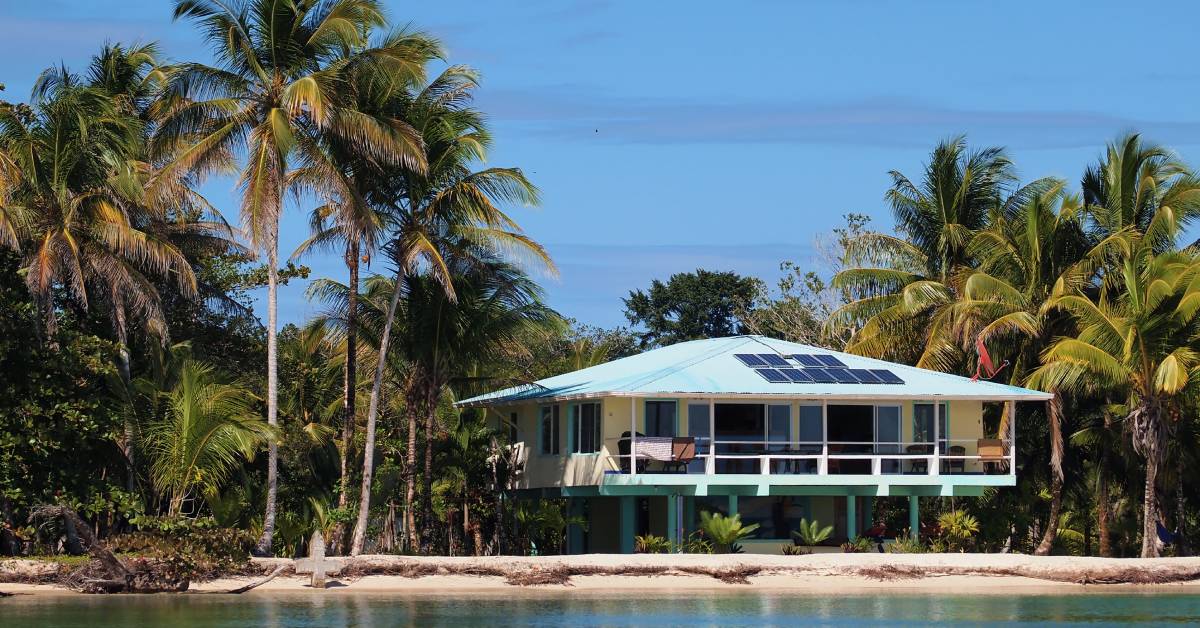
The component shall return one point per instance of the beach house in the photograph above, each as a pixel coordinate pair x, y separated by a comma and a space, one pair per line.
775, 431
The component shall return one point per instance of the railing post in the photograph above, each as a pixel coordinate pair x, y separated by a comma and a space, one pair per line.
764, 465
1012, 437
710, 467
935, 466
633, 436
823, 464
876, 466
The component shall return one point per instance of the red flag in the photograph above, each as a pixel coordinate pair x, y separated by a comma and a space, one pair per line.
985, 362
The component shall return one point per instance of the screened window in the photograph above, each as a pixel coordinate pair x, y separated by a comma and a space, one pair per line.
660, 418
585, 429
549, 434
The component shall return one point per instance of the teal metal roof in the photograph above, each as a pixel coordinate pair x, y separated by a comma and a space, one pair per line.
708, 368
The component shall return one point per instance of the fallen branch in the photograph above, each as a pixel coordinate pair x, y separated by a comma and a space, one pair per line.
258, 583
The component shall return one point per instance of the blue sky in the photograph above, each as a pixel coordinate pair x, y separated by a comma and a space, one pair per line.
671, 135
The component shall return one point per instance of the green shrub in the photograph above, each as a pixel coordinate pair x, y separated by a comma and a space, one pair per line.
794, 550
857, 545
906, 544
812, 533
197, 548
725, 532
651, 544
958, 529
695, 543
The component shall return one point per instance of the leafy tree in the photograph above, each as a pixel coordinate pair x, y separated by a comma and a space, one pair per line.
690, 306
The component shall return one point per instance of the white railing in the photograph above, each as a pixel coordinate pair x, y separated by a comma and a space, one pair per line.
767, 457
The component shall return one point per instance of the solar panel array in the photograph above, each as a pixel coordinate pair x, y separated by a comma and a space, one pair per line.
812, 368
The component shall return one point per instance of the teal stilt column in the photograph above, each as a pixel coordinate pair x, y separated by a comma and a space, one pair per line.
733, 505
851, 517
914, 516
575, 508
628, 517
673, 518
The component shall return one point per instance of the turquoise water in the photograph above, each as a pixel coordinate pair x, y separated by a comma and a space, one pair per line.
658, 609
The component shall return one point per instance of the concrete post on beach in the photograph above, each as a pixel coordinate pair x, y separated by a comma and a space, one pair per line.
315, 562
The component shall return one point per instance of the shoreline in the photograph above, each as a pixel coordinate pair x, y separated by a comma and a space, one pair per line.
819, 574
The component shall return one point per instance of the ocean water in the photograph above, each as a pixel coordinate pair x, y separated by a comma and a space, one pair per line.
1095, 607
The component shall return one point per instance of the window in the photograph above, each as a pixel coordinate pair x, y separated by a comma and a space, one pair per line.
549, 434
923, 424
779, 426
585, 429
812, 429
660, 418
514, 435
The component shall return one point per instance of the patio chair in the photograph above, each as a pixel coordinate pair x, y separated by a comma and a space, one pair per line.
683, 452
991, 454
623, 451
960, 464
919, 465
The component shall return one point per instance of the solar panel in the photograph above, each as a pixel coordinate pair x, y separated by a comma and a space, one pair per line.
807, 360
842, 376
772, 375
820, 376
750, 360
773, 359
797, 375
887, 376
828, 360
866, 377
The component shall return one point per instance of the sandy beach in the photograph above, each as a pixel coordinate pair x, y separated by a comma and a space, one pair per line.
815, 574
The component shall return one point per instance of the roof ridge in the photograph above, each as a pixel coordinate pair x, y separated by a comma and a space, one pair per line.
679, 366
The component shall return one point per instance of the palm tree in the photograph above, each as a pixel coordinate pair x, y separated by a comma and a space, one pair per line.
1031, 251
281, 68
900, 284
76, 203
430, 209
1134, 342
205, 430
353, 217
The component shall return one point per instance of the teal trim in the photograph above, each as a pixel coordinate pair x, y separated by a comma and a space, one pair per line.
914, 517
628, 515
851, 517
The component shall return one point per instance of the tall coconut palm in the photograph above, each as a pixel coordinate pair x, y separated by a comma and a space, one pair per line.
1134, 341
352, 218
281, 66
1030, 253
901, 283
205, 431
446, 202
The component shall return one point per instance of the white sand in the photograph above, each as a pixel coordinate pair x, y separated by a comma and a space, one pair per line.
816, 574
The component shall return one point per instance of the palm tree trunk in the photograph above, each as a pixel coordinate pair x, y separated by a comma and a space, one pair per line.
1181, 547
268, 534
124, 370
427, 477
1102, 513
410, 471
1053, 414
1051, 533
1150, 508
364, 498
349, 385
